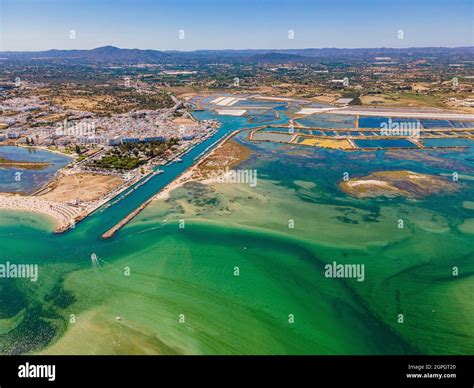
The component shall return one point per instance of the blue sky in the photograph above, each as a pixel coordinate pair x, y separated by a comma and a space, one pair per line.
213, 24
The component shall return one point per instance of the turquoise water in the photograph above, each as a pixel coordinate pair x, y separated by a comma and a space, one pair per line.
106, 217
191, 270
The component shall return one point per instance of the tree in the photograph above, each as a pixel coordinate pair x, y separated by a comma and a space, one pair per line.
78, 150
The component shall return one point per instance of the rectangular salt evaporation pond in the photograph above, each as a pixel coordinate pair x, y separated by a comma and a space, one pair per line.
379, 121
288, 130
448, 142
429, 124
385, 143
327, 121
231, 112
301, 130
257, 104
208, 100
219, 101
278, 137
462, 124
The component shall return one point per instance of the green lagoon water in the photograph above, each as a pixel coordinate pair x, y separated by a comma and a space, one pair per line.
162, 289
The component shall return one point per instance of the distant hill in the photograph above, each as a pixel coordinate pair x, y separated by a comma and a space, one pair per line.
113, 54
278, 58
100, 54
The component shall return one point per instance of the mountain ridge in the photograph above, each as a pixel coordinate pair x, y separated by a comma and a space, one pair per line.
115, 54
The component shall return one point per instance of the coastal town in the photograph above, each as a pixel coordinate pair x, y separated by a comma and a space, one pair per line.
246, 178
110, 154
122, 131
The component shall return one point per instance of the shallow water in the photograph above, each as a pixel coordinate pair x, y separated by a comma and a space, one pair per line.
163, 289
27, 181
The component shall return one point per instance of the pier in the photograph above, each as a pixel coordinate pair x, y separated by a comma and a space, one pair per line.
205, 154
126, 220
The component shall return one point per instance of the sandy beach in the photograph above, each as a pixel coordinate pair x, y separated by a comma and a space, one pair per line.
83, 187
66, 199
70, 197
62, 214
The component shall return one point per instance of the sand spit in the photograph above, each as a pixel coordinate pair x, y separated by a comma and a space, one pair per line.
398, 183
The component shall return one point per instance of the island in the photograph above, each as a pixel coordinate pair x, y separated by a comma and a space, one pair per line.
397, 183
